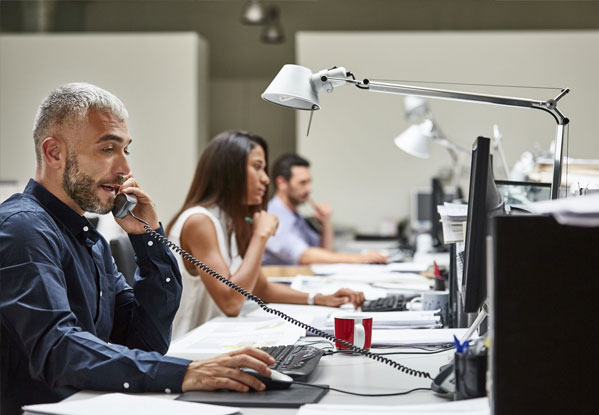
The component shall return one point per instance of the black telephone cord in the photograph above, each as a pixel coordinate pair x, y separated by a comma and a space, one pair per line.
277, 313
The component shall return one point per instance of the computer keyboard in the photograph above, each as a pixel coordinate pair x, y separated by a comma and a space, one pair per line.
295, 361
394, 302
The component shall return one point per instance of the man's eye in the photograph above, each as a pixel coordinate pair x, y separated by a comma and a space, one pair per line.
107, 150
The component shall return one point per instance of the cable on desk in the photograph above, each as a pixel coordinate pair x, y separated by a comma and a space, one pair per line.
423, 351
373, 395
252, 297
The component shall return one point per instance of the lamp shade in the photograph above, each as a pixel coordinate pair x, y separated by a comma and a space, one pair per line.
292, 87
415, 139
253, 13
415, 108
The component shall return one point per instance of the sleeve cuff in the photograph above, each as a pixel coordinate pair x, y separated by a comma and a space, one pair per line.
168, 377
145, 246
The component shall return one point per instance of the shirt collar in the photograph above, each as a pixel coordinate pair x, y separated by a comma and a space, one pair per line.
78, 225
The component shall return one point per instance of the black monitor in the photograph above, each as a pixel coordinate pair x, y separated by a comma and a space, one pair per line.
484, 200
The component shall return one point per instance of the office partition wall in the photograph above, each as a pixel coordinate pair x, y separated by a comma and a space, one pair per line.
161, 78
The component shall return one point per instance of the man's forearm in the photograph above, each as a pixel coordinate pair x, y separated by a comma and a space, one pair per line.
327, 236
324, 256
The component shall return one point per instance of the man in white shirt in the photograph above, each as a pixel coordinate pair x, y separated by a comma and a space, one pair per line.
295, 241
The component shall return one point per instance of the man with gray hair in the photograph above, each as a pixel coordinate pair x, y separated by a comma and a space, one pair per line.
68, 319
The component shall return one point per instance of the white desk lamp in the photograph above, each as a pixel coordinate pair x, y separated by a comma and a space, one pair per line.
297, 87
415, 139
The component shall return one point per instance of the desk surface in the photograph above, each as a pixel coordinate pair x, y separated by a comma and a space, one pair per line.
356, 373
362, 375
286, 270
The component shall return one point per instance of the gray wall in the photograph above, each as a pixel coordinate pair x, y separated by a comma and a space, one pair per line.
161, 78
356, 166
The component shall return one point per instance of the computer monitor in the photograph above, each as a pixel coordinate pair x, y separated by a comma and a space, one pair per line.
484, 200
420, 214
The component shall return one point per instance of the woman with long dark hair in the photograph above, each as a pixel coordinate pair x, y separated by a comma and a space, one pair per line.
224, 224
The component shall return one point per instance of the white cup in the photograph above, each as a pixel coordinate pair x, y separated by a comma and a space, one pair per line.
424, 243
431, 300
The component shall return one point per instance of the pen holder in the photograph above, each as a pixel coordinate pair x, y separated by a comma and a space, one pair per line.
470, 375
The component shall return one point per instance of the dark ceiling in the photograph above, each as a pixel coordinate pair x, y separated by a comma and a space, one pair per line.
236, 50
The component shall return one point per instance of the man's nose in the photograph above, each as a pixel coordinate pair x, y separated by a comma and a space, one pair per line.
122, 165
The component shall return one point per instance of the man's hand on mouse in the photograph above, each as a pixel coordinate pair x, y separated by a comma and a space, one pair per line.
221, 372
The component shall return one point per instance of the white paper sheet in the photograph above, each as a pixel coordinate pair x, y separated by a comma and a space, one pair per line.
391, 318
479, 406
325, 286
394, 277
122, 404
223, 334
575, 211
414, 337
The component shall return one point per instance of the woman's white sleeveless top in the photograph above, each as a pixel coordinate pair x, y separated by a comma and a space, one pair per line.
197, 306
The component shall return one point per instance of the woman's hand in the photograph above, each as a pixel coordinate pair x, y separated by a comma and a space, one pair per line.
342, 296
265, 224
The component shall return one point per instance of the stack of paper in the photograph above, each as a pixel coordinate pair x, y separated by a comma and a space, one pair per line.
415, 337
574, 211
453, 218
389, 320
367, 269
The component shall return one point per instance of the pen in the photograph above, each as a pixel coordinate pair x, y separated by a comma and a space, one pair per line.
458, 346
248, 219
436, 270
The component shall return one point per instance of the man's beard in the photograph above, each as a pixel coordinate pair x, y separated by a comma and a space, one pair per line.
81, 188
295, 201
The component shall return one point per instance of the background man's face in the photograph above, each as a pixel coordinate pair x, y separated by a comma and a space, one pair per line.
299, 185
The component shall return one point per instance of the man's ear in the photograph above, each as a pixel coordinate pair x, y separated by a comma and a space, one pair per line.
54, 152
281, 183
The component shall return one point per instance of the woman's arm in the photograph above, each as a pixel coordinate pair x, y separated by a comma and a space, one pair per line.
272, 292
199, 238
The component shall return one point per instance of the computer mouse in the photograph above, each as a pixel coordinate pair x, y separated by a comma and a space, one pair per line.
277, 380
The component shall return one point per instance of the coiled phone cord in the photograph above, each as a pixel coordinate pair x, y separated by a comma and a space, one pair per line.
275, 312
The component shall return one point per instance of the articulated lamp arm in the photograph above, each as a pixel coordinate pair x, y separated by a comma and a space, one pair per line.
297, 87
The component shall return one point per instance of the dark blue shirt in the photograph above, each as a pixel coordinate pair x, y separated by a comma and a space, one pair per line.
68, 319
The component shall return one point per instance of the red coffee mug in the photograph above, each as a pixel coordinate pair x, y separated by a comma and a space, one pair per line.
356, 330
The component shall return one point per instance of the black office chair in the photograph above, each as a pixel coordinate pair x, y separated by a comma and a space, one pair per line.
124, 257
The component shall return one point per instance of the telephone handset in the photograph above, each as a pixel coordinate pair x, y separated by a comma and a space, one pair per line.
124, 204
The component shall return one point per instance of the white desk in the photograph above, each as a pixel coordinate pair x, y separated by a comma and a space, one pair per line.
359, 374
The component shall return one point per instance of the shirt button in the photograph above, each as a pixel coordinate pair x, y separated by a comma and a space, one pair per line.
168, 279
86, 228
150, 243
100, 293
126, 385
167, 390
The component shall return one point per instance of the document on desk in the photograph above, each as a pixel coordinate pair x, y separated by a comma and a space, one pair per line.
304, 313
389, 320
574, 211
415, 337
364, 269
224, 334
382, 277
122, 404
478, 406
325, 286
